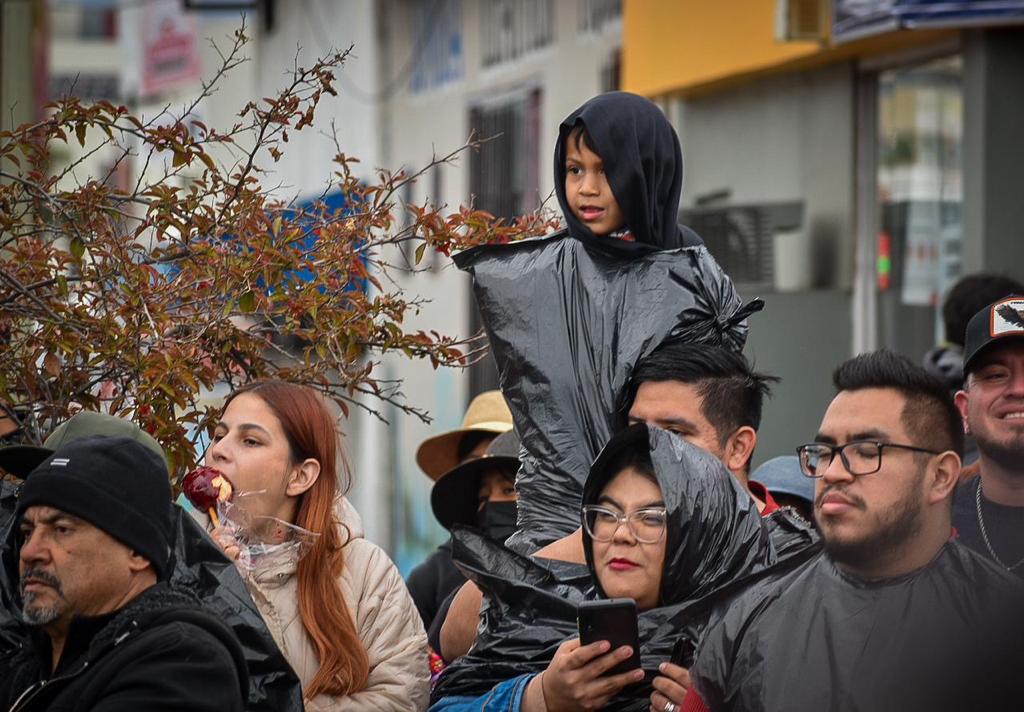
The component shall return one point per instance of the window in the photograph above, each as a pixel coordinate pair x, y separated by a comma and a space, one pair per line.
436, 36
504, 181
919, 197
510, 29
593, 16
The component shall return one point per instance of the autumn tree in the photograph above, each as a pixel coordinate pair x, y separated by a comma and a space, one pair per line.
138, 300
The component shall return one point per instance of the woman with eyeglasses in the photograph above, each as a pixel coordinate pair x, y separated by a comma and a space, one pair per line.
664, 523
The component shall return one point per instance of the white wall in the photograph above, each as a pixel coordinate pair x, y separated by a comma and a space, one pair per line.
786, 138
419, 125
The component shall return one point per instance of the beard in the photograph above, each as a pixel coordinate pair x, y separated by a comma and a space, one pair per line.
1007, 453
35, 613
888, 535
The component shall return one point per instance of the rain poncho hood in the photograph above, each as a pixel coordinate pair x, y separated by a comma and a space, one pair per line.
715, 539
568, 321
715, 531
199, 566
644, 166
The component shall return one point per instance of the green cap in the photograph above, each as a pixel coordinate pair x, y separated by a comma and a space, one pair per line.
20, 460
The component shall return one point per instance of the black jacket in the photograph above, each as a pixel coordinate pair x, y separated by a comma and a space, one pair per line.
433, 581
200, 568
160, 652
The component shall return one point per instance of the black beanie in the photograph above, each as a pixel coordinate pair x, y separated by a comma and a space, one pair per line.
115, 484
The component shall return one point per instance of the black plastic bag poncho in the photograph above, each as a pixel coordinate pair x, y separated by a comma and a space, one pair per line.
715, 539
570, 315
200, 567
567, 323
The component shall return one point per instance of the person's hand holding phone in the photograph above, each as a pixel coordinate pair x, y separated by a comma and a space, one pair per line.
670, 688
574, 680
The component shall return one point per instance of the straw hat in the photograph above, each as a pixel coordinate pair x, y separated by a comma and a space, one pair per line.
487, 413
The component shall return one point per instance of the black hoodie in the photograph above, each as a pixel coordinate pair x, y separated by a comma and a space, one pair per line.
644, 166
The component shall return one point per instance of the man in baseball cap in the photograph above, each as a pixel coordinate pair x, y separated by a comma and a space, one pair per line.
93, 549
988, 510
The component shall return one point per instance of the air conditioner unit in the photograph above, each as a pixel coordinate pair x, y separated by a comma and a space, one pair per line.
801, 20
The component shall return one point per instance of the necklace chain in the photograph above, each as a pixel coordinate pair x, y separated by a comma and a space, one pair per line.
984, 534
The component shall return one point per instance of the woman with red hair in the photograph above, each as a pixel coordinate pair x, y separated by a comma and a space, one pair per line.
340, 612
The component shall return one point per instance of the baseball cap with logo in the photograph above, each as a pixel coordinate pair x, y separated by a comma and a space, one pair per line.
1002, 320
19, 460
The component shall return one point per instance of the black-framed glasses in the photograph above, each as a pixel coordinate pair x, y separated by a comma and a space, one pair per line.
647, 524
860, 457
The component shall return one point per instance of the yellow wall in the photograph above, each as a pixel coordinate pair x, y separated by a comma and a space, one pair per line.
672, 45
693, 46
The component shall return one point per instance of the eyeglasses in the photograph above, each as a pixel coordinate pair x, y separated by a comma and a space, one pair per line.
860, 457
647, 524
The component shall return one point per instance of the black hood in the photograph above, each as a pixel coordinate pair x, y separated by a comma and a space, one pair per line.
643, 163
715, 544
714, 532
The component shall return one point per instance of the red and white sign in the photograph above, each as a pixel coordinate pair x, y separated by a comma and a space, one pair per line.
170, 48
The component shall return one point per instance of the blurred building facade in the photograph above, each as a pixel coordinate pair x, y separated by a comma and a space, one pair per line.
843, 166
847, 160
503, 70
422, 77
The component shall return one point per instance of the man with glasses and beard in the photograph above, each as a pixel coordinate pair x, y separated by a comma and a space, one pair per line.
988, 511
894, 614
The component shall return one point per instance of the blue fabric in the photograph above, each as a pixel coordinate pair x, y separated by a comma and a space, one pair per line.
506, 696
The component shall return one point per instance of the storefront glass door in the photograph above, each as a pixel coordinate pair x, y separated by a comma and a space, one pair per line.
919, 169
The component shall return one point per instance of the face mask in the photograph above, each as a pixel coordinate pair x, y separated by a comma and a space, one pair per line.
497, 520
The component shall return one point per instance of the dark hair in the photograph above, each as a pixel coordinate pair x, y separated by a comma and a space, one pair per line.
928, 414
969, 296
579, 134
636, 456
469, 441
732, 393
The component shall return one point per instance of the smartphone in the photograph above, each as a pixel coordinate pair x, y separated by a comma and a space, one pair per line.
614, 620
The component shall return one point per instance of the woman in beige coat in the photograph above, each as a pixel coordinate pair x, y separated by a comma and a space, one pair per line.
340, 612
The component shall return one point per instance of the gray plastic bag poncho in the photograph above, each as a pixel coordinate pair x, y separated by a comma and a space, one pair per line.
944, 638
715, 540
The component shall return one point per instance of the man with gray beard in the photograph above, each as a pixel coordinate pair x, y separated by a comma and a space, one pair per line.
92, 561
894, 614
988, 510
